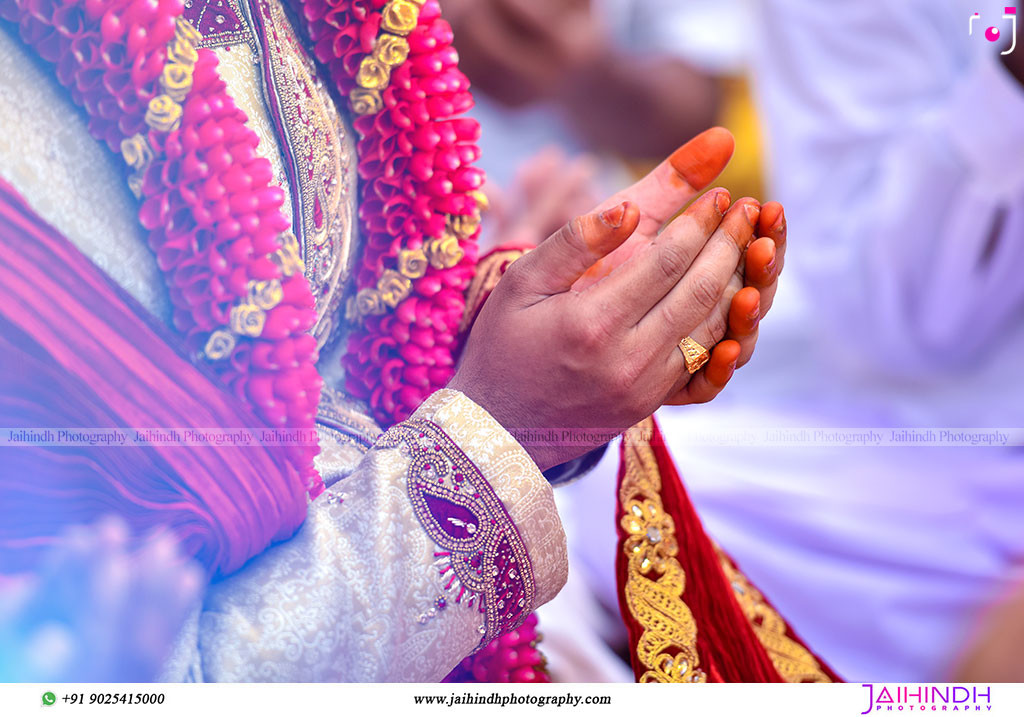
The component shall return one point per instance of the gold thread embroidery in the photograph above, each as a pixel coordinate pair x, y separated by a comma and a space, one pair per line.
225, 35
318, 144
792, 660
346, 417
667, 646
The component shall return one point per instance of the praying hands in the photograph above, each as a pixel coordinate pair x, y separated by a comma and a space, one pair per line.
585, 331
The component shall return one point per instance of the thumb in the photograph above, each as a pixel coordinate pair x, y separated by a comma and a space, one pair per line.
555, 265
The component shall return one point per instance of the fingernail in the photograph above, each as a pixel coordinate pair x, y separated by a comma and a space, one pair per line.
780, 223
769, 268
755, 313
753, 212
613, 217
722, 200
702, 159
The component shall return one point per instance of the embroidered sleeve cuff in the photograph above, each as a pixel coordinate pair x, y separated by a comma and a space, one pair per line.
521, 495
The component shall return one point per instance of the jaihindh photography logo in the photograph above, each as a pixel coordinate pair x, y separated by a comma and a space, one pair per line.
927, 698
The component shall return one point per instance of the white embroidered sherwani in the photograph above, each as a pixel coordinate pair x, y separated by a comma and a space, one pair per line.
430, 538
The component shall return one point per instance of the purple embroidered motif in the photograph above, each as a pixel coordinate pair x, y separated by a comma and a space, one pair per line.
458, 521
220, 22
481, 555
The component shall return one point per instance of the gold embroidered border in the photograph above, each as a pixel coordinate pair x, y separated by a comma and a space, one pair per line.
343, 415
792, 660
654, 578
225, 38
313, 139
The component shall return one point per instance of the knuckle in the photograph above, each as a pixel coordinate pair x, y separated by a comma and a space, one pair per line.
617, 377
737, 235
519, 277
588, 335
705, 291
574, 229
621, 384
673, 260
672, 316
718, 323
586, 330
573, 233
514, 275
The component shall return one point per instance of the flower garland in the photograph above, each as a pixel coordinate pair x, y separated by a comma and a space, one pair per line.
513, 657
214, 217
420, 199
420, 218
232, 268
231, 265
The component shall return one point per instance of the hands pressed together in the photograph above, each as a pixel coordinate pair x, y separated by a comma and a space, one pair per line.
583, 332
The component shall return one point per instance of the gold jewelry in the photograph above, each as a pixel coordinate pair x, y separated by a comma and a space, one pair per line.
694, 354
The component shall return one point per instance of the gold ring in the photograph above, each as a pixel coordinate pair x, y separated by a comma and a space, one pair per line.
694, 354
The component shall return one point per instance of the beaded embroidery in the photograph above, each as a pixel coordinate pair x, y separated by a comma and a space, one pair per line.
481, 557
316, 146
220, 22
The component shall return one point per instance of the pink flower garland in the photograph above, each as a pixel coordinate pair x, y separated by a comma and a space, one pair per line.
513, 657
415, 163
213, 216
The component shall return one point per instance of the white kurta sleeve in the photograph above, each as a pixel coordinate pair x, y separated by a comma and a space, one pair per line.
444, 536
894, 142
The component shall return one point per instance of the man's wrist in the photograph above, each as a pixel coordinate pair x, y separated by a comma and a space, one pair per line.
508, 418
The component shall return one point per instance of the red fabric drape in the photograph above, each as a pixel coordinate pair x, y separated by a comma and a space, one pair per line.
728, 648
